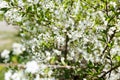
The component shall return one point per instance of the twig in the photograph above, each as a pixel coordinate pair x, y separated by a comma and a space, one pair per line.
106, 7
66, 46
110, 71
22, 66
59, 66
111, 37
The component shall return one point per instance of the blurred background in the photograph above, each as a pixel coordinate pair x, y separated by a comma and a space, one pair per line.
8, 35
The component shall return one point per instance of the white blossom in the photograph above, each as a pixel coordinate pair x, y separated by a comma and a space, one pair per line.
5, 54
84, 79
113, 4
37, 77
57, 52
3, 4
113, 76
19, 19
105, 23
47, 53
18, 48
47, 79
20, 3
30, 1
16, 76
44, 26
111, 30
50, 73
32, 67
42, 68
8, 75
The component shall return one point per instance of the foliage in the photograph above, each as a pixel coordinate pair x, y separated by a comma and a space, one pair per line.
65, 39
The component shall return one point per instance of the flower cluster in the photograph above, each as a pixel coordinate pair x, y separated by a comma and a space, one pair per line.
65, 39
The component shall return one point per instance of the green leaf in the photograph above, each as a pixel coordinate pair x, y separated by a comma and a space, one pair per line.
109, 45
118, 58
29, 9
117, 34
4, 9
1, 17
46, 70
24, 0
7, 0
52, 60
90, 64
